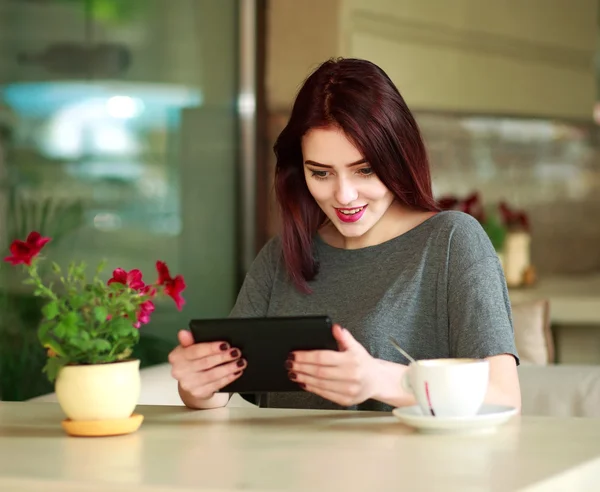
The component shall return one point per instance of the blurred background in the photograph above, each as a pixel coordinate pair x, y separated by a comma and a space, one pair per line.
139, 130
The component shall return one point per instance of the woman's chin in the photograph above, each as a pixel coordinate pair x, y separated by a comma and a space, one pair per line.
355, 230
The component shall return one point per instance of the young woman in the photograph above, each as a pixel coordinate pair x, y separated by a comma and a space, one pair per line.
363, 241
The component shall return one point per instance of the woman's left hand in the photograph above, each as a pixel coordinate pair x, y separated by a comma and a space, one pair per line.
346, 377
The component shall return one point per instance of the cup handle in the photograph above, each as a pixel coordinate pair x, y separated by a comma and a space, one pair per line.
405, 382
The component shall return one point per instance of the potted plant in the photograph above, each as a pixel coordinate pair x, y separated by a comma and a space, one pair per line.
89, 330
509, 233
517, 249
489, 220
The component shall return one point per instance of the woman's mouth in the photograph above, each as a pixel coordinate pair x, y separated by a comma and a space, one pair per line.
350, 214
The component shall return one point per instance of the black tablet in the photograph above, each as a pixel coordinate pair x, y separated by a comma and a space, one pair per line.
266, 343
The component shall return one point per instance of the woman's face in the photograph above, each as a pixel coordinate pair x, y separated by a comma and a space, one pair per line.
343, 183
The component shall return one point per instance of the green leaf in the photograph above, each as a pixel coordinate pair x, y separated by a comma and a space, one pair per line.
76, 302
115, 287
122, 327
55, 347
80, 271
43, 332
60, 330
128, 306
99, 289
53, 366
68, 326
102, 345
56, 267
100, 313
50, 310
100, 267
71, 318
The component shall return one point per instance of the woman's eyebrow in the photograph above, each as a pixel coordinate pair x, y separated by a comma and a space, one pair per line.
326, 166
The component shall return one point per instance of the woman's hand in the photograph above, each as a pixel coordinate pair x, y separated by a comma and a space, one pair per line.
202, 369
347, 377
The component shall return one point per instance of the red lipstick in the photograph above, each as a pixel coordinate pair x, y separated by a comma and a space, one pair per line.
350, 215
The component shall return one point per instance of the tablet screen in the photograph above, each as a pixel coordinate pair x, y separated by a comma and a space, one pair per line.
265, 343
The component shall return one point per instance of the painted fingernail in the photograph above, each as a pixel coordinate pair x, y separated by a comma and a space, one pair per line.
237, 373
235, 353
288, 364
291, 357
223, 347
240, 363
292, 375
302, 385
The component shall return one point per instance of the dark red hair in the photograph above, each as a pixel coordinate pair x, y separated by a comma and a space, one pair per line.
358, 97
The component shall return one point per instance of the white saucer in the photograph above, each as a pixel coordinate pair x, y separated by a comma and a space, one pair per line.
487, 420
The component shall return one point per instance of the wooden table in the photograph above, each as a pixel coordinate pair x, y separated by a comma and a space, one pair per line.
264, 450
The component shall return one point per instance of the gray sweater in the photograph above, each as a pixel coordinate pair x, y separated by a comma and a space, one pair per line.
438, 289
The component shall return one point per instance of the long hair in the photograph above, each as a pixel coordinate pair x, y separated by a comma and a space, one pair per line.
359, 98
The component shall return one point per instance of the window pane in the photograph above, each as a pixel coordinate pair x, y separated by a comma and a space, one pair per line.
118, 140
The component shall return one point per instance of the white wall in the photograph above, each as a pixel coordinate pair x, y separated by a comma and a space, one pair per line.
300, 35
531, 57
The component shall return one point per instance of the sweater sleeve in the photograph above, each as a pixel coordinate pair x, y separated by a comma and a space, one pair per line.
479, 310
255, 294
253, 298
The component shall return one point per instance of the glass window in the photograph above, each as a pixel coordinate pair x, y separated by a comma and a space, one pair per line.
118, 138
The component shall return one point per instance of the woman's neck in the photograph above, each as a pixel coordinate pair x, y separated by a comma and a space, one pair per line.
396, 221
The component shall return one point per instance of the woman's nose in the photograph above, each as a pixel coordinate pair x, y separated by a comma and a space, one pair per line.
345, 193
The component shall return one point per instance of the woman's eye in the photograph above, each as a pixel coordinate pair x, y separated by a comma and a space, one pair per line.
366, 171
319, 174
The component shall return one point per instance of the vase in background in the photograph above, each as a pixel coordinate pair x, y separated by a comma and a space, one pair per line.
516, 257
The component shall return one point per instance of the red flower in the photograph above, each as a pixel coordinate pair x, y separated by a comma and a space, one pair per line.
173, 286
513, 219
471, 205
25, 251
143, 315
132, 279
148, 290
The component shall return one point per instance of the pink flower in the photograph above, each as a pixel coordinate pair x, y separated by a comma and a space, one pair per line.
26, 251
143, 315
132, 279
173, 286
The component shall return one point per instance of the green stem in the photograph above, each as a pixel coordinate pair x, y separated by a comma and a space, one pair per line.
33, 273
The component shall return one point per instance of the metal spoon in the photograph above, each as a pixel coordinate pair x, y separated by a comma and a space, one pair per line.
401, 350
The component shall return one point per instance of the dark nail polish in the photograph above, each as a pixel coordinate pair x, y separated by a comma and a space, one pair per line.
288, 364
302, 385
292, 375
240, 363
237, 373
235, 353
223, 347
291, 357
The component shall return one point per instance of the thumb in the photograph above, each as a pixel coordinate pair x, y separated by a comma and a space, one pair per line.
185, 338
344, 339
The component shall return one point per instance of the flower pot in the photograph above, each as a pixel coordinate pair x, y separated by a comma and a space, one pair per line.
99, 391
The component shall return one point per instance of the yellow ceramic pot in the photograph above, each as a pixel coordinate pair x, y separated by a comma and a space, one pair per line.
99, 391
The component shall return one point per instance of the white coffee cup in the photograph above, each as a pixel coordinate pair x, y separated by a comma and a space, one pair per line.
448, 387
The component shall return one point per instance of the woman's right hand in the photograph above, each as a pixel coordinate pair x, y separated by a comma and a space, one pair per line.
202, 369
